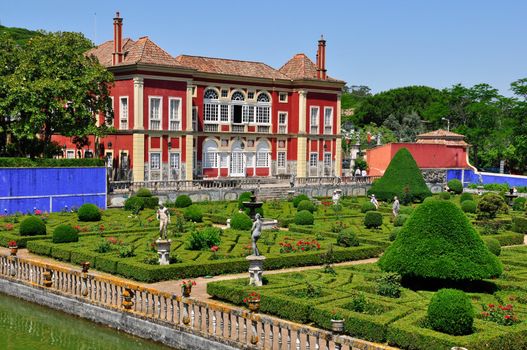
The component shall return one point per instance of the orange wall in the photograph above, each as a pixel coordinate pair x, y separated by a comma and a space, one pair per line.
425, 155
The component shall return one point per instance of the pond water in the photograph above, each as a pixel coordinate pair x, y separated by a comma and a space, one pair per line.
25, 326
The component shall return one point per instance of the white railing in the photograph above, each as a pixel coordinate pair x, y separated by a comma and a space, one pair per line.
210, 127
238, 128
219, 322
265, 129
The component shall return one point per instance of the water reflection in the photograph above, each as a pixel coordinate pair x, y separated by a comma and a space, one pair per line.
26, 326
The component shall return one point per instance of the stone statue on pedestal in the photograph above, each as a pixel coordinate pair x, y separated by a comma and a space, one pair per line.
163, 215
256, 231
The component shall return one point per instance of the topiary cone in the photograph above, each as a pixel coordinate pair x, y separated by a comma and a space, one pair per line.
438, 242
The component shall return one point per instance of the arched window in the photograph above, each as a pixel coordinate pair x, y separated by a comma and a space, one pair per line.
263, 151
263, 108
237, 96
210, 154
263, 97
210, 94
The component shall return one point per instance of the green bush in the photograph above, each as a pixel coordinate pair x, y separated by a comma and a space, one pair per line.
439, 242
455, 186
406, 210
469, 206
204, 239
402, 179
89, 212
450, 311
299, 198
519, 203
394, 233
183, 201
444, 196
151, 202
32, 226
241, 221
304, 217
389, 285
244, 197
490, 205
367, 206
134, 204
143, 192
400, 220
50, 162
347, 238
306, 205
519, 224
65, 234
465, 196
373, 219
257, 211
494, 245
193, 213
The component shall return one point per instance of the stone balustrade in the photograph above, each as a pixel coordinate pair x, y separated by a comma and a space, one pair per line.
229, 325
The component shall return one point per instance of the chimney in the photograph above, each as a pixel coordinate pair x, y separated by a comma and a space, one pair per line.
321, 59
117, 56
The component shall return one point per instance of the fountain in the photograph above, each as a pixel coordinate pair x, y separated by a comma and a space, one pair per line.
252, 205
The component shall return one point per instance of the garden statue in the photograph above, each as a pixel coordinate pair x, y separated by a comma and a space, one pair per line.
395, 206
163, 215
256, 231
374, 201
336, 197
292, 180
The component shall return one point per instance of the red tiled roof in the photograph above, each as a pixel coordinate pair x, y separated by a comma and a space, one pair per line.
301, 67
441, 134
143, 50
230, 67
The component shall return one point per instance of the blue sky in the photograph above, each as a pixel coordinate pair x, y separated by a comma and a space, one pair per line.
383, 44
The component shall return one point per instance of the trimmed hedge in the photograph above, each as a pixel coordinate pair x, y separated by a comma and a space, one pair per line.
400, 220
519, 224
347, 238
143, 192
469, 206
241, 221
89, 212
373, 219
518, 204
490, 205
244, 197
183, 201
493, 244
32, 226
444, 196
299, 198
466, 196
367, 206
193, 213
133, 203
450, 311
304, 217
439, 242
306, 205
50, 162
455, 186
65, 234
402, 179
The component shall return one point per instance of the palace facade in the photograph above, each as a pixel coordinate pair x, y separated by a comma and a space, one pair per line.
189, 117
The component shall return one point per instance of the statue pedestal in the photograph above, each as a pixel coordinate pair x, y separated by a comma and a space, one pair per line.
255, 269
163, 249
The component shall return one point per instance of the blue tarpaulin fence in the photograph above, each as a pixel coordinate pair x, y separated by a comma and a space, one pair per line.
51, 189
469, 177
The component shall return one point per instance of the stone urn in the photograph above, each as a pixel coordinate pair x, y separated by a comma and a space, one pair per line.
186, 290
85, 266
254, 305
337, 326
14, 250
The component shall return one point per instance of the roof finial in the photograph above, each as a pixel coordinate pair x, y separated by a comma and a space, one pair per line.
117, 14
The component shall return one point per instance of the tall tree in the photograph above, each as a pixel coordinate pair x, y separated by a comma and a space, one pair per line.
9, 56
56, 89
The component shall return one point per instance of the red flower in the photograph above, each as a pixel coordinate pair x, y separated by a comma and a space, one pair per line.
11, 244
214, 248
38, 212
9, 227
507, 317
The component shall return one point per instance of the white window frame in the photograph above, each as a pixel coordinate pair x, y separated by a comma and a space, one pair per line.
174, 121
225, 113
194, 118
70, 154
124, 113
328, 124
313, 160
327, 157
282, 125
112, 119
281, 163
174, 165
248, 112
160, 114
151, 162
263, 151
282, 97
313, 127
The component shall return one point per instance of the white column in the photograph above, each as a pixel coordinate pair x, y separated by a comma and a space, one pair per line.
138, 139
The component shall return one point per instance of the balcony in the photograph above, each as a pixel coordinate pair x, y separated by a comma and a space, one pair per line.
210, 128
264, 129
238, 128
282, 129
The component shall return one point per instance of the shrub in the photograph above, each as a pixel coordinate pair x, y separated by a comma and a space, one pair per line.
439, 242
367, 206
519, 203
257, 211
143, 192
32, 226
306, 205
134, 204
204, 239
465, 196
299, 198
65, 234
394, 233
125, 251
193, 213
489, 206
400, 219
494, 245
244, 197
469, 206
373, 219
402, 179
444, 195
183, 201
519, 224
406, 210
89, 212
304, 217
347, 238
455, 186
241, 221
389, 285
450, 311
150, 202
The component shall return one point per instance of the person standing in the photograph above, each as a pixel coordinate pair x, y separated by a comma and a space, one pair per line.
374, 201
395, 206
